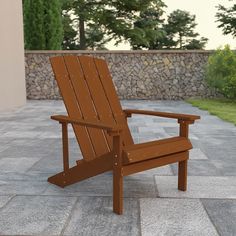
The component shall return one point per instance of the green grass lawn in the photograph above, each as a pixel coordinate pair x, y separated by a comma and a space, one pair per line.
223, 108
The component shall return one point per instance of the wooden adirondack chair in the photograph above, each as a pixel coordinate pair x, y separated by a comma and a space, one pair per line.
101, 129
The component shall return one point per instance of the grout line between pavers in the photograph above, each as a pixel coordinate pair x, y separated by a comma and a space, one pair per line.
209, 216
155, 186
29, 235
69, 217
13, 196
139, 217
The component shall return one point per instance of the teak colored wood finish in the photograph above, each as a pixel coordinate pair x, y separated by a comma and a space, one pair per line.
102, 131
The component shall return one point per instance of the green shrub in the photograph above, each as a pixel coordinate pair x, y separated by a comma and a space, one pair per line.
221, 71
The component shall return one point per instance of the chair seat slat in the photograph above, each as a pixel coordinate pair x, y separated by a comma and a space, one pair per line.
145, 151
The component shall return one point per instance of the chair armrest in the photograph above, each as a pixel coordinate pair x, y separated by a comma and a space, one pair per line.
112, 130
178, 116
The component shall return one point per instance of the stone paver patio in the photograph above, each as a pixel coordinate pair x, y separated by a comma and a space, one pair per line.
30, 152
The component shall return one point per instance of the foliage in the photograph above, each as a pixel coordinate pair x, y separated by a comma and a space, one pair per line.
100, 21
221, 71
178, 32
196, 44
70, 39
89, 24
34, 24
223, 108
42, 24
227, 19
53, 27
148, 27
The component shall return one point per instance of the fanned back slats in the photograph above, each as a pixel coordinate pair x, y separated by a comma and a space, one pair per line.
88, 93
113, 99
86, 104
70, 100
97, 93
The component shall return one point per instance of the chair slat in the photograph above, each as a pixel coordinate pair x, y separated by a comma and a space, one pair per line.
98, 96
156, 149
70, 100
85, 103
109, 89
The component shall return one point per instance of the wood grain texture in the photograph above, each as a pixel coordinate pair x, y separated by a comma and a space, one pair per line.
102, 131
129, 112
85, 102
117, 175
82, 122
110, 92
71, 104
152, 163
156, 149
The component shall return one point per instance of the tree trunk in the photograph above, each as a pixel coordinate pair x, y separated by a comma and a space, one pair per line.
180, 41
82, 33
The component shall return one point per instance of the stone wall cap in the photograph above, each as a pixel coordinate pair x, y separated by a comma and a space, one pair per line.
118, 51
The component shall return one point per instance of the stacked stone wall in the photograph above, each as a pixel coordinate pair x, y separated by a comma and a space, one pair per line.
171, 75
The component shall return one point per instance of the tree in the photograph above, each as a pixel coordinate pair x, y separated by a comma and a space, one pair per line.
197, 44
227, 19
70, 39
102, 20
148, 27
180, 31
34, 24
221, 71
42, 24
177, 32
53, 24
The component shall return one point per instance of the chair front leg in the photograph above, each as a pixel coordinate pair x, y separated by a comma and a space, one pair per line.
65, 146
182, 175
182, 166
117, 176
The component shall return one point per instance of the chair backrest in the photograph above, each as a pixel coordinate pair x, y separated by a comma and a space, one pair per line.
88, 93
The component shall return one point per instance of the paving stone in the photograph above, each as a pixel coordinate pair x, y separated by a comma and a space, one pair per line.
197, 154
31, 215
3, 148
174, 217
39, 148
101, 185
21, 134
172, 130
28, 133
29, 176
169, 124
151, 129
215, 152
163, 170
198, 187
54, 163
227, 167
48, 134
16, 164
4, 200
94, 216
223, 215
199, 167
22, 187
